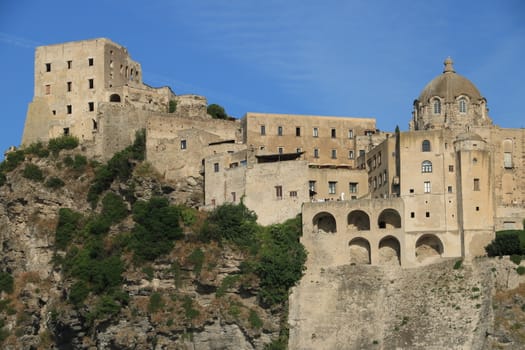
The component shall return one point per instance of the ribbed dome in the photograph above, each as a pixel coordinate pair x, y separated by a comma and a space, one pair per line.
449, 86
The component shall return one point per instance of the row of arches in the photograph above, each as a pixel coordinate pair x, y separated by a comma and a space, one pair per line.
357, 220
389, 250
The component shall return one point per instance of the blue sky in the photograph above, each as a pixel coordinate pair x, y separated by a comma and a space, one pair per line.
367, 58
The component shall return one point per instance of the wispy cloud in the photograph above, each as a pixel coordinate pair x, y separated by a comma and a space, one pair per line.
17, 41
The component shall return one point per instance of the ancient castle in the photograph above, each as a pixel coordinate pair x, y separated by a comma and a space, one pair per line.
440, 189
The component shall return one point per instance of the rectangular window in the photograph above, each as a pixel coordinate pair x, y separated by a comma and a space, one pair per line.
450, 168
183, 144
449, 189
69, 86
427, 187
66, 131
334, 154
412, 214
507, 160
332, 187
279, 192
263, 129
48, 89
298, 150
297, 131
350, 134
69, 64
69, 109
476, 184
279, 131
316, 152
234, 197
427, 214
91, 83
379, 158
311, 186
280, 150
216, 167
361, 152
48, 67
90, 61
353, 187
333, 133
91, 106
316, 132
350, 154
293, 193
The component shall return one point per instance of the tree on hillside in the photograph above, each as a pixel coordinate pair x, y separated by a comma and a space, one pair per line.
216, 111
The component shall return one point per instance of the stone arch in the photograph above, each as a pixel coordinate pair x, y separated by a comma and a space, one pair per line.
389, 251
507, 145
114, 98
358, 220
428, 246
389, 218
359, 251
324, 222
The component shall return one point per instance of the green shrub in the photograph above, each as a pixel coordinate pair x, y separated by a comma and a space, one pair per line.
157, 226
54, 182
12, 160
520, 270
196, 258
113, 208
78, 292
227, 283
69, 223
33, 172
172, 106
216, 111
516, 259
77, 163
254, 319
281, 262
3, 179
189, 311
504, 244
148, 270
55, 145
231, 222
155, 302
4, 333
6, 282
458, 264
38, 149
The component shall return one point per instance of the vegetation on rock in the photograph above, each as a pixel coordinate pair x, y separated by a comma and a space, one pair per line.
217, 111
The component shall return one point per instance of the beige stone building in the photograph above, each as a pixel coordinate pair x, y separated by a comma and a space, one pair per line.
439, 190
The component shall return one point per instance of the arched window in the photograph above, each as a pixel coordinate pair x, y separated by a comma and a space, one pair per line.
114, 98
462, 105
437, 106
426, 166
425, 146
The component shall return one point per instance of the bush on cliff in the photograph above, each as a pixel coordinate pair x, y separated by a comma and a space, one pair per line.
6, 282
504, 244
55, 145
217, 111
33, 172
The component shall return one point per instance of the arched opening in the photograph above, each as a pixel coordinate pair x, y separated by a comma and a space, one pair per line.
324, 222
114, 98
358, 220
426, 166
425, 146
437, 106
389, 251
389, 218
428, 246
462, 105
359, 251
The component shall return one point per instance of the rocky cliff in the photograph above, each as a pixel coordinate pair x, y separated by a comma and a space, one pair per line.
181, 300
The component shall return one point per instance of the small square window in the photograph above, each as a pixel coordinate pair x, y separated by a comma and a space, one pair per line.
48, 89
69, 109
48, 67
411, 190
263, 129
412, 214
333, 133
477, 208
293, 194
353, 187
298, 150
66, 131
427, 214
332, 187
279, 192
280, 150
450, 168
69, 64
449, 189
216, 167
297, 131
91, 106
334, 154
183, 144
90, 61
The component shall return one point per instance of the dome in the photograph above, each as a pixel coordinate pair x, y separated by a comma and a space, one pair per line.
449, 86
469, 136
